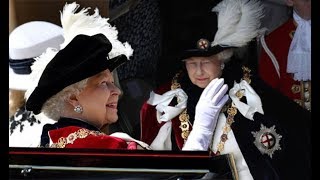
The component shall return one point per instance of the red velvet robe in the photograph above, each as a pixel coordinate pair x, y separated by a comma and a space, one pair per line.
72, 133
279, 42
91, 139
150, 126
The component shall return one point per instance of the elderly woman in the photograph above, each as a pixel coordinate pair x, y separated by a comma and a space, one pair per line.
199, 48
75, 85
252, 126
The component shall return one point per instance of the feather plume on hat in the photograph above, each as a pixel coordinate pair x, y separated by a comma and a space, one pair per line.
74, 24
38, 67
83, 23
238, 22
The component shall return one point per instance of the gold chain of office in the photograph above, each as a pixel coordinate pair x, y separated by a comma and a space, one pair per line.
79, 134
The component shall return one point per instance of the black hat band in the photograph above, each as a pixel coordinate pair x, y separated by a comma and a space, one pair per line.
21, 66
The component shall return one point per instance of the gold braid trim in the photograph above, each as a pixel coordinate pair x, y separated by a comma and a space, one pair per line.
232, 111
305, 100
79, 134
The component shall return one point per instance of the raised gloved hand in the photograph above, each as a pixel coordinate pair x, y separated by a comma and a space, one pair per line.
208, 109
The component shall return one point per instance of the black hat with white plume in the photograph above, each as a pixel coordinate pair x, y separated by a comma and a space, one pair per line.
91, 45
207, 30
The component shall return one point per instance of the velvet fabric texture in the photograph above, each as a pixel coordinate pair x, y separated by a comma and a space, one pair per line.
293, 123
188, 28
83, 57
150, 126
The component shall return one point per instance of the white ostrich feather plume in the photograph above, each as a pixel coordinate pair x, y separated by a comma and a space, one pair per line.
38, 67
238, 22
74, 24
83, 23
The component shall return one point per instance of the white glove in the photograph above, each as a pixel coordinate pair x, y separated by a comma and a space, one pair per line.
208, 109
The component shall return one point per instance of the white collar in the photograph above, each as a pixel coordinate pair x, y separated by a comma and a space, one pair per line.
299, 56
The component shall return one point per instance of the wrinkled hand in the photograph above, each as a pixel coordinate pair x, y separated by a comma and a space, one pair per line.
208, 109
210, 104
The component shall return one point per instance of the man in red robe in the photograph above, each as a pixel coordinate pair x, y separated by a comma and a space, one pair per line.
285, 60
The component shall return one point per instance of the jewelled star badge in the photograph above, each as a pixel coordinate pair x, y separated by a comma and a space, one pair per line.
267, 140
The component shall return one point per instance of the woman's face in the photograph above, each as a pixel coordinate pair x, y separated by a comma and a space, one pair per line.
99, 99
201, 70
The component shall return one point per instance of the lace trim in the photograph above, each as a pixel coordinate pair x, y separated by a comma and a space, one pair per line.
79, 134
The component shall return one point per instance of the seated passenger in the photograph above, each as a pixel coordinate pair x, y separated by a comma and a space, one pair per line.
187, 113
75, 85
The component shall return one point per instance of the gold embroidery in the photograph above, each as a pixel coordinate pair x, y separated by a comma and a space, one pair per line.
185, 135
184, 126
232, 111
61, 142
246, 74
305, 94
240, 94
183, 117
81, 133
175, 84
295, 89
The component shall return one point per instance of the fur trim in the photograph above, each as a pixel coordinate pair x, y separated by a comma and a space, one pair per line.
238, 22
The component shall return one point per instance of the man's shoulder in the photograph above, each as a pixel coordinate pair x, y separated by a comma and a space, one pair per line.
282, 30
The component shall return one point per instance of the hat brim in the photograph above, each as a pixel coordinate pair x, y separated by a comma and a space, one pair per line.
18, 81
117, 61
41, 94
201, 52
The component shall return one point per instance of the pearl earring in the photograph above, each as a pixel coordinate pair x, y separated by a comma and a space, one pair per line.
78, 109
